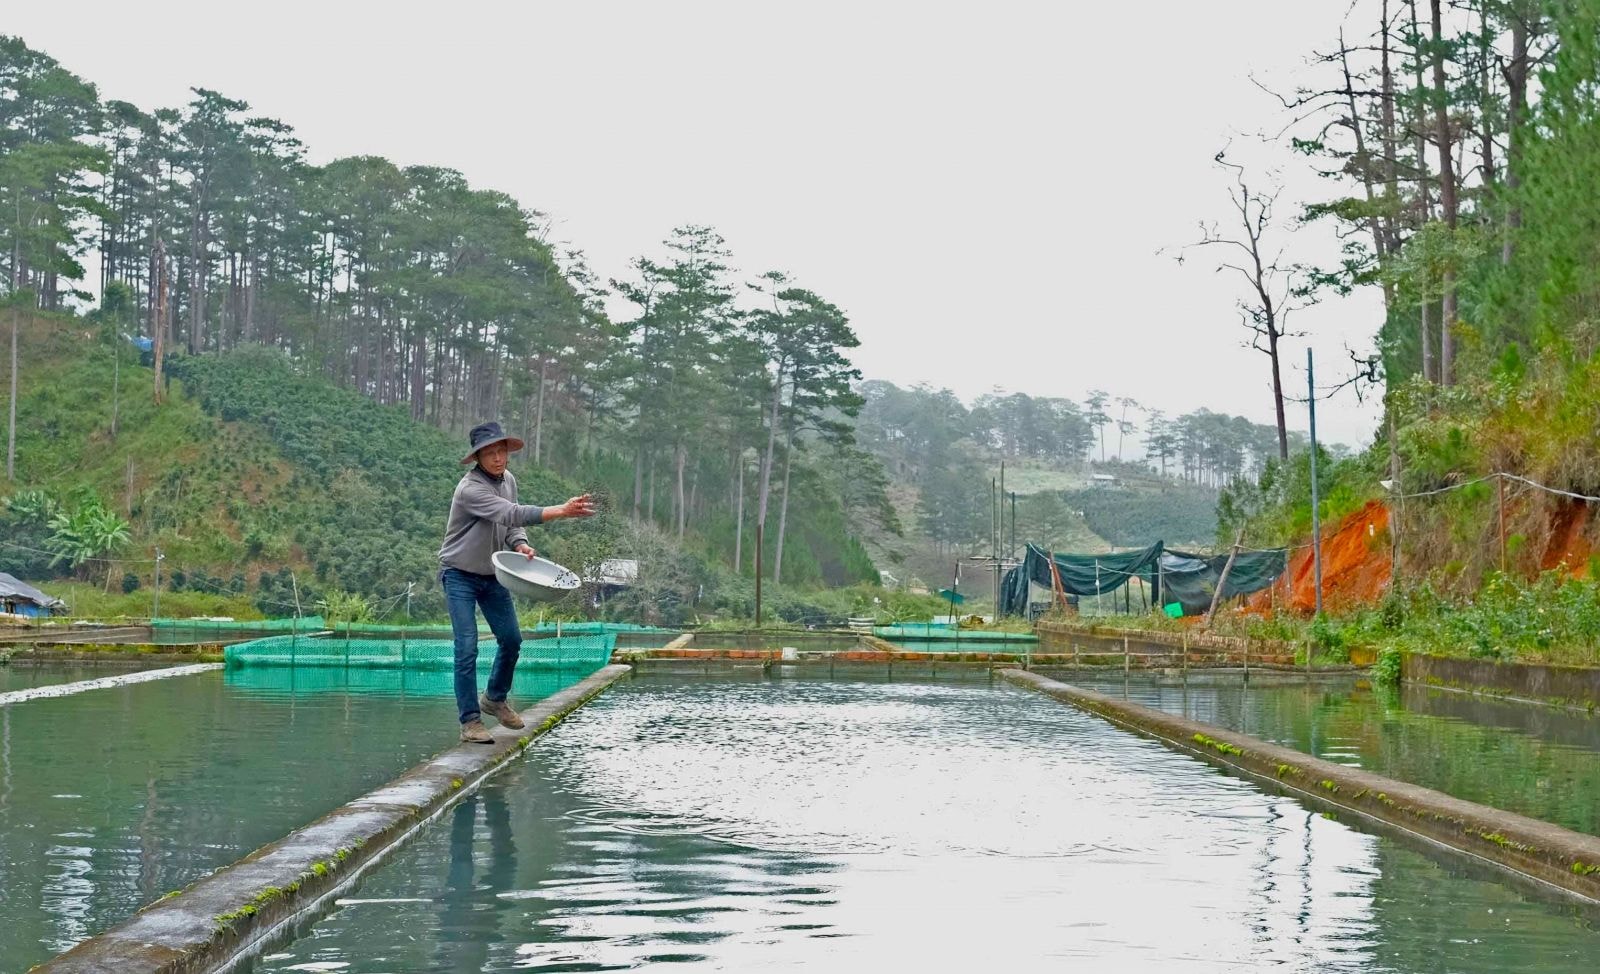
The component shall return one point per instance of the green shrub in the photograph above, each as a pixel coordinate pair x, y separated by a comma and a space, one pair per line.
1386, 669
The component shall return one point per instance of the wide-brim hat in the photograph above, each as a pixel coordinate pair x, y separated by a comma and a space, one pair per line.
488, 434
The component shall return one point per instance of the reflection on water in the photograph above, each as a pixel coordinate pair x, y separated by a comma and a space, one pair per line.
1537, 761
843, 827
112, 798
26, 677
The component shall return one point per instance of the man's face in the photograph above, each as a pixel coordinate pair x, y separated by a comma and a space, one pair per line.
493, 458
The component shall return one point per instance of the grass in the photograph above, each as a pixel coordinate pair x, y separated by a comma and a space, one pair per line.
1552, 619
91, 602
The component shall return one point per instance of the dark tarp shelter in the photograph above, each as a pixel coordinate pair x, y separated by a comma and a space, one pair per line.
1175, 576
1192, 579
1079, 575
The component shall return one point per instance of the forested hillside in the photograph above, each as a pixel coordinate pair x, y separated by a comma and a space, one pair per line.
715, 407
944, 459
1465, 144
341, 325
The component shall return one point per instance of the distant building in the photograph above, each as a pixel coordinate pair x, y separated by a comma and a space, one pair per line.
1102, 481
20, 598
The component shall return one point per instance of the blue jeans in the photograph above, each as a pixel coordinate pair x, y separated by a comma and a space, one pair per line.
464, 593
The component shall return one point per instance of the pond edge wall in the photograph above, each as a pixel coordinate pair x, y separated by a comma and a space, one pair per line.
1559, 857
1577, 687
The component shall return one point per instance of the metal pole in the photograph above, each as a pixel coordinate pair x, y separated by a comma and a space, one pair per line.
1394, 519
955, 585
994, 536
1500, 488
1013, 526
1099, 596
155, 610
1316, 522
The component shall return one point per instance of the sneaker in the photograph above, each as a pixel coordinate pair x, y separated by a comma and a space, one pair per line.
502, 711
473, 732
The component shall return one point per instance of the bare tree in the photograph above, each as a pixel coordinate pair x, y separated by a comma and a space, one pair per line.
1272, 282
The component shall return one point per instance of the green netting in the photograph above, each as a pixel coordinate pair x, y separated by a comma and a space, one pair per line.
303, 624
290, 681
359, 629
920, 632
412, 654
1189, 579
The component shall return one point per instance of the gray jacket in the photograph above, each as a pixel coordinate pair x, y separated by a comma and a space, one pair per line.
484, 518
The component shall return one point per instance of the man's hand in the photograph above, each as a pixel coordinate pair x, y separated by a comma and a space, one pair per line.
525, 551
582, 506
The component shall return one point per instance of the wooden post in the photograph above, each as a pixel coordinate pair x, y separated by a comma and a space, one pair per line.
1216, 597
1124, 655
1058, 590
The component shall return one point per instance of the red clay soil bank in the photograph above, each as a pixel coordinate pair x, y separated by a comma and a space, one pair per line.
1356, 563
1568, 550
1355, 566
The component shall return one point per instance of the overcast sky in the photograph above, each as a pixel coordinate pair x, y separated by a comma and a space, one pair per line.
984, 188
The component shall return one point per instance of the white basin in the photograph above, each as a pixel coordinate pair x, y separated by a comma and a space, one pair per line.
535, 578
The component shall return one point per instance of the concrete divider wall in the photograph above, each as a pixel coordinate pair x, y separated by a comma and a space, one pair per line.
1098, 645
1563, 858
236, 909
1572, 686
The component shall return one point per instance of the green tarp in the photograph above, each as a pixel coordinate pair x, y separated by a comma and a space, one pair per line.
1172, 576
1080, 575
1192, 579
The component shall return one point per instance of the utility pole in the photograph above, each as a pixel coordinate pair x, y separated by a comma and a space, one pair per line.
1394, 513
155, 610
1316, 522
994, 539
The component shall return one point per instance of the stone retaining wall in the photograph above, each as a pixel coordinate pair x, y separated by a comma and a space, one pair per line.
1567, 686
1147, 647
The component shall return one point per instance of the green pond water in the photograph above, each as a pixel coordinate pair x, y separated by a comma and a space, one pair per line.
1538, 761
111, 798
860, 826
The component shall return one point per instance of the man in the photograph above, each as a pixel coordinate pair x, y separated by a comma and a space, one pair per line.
484, 518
